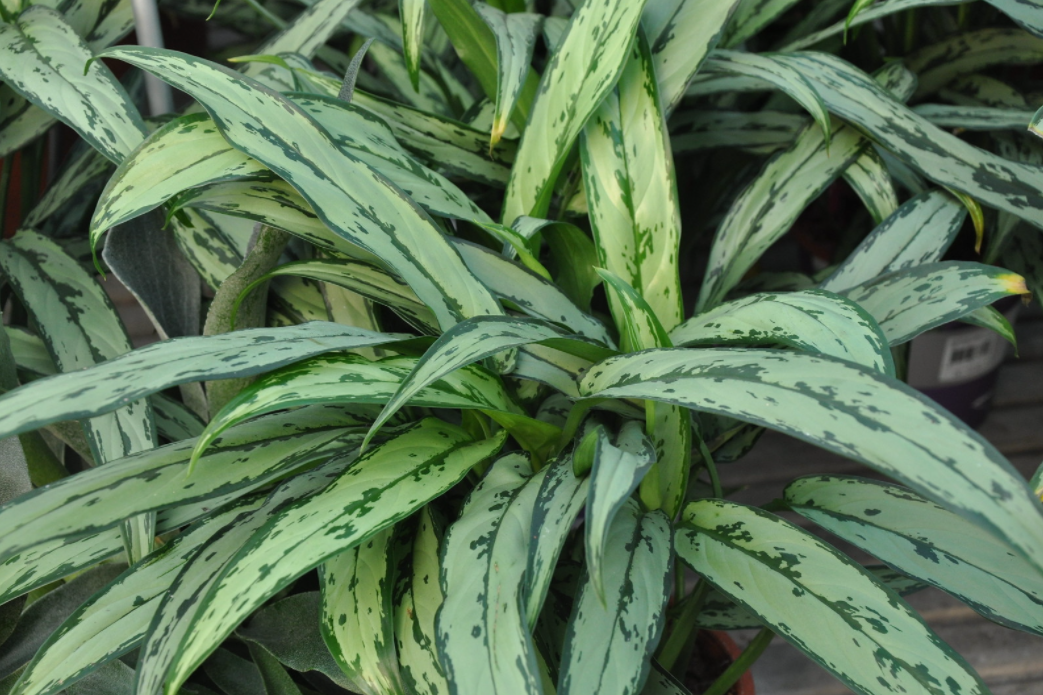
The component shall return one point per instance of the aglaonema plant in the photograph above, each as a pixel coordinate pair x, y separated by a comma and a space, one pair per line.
457, 433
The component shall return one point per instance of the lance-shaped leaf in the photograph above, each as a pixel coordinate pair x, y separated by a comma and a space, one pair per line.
166, 625
358, 612
412, 13
616, 472
468, 342
483, 640
42, 57
638, 325
68, 197
753, 15
908, 302
116, 618
213, 253
21, 122
974, 117
80, 327
791, 82
722, 613
581, 72
918, 232
820, 601
515, 39
322, 380
969, 52
349, 197
367, 280
187, 152
938, 155
760, 131
771, 203
628, 177
869, 178
561, 496
308, 32
846, 409
528, 291
681, 35
155, 367
419, 598
926, 541
610, 642
385, 485
810, 320
156, 479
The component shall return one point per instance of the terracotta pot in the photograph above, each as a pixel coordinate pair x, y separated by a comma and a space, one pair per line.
716, 651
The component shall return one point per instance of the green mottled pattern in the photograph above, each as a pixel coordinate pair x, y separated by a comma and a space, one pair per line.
412, 14
42, 58
869, 14
809, 320
560, 498
515, 39
767, 69
869, 178
926, 541
385, 485
324, 380
206, 247
968, 52
187, 152
350, 198
764, 211
358, 613
396, 79
846, 409
156, 479
751, 16
974, 117
483, 639
528, 291
167, 624
918, 232
580, 73
759, 131
631, 189
616, 473
610, 639
464, 344
908, 302
420, 597
308, 32
368, 137
109, 385
936, 154
821, 602
682, 33
722, 613
78, 176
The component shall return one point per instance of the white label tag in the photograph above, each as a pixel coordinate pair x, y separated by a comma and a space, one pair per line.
970, 354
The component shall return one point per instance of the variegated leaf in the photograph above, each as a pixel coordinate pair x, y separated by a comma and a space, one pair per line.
974, 117
918, 232
759, 131
810, 320
167, 625
42, 58
751, 16
777, 73
940, 156
322, 380
152, 480
631, 189
385, 485
420, 597
845, 409
722, 613
820, 601
869, 178
91, 392
413, 13
969, 52
308, 32
206, 246
560, 498
638, 325
771, 203
610, 640
515, 39
350, 198
72, 190
483, 640
616, 473
358, 613
681, 35
926, 541
581, 72
908, 302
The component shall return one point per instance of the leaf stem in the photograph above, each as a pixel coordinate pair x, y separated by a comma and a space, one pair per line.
683, 634
749, 655
711, 467
272, 18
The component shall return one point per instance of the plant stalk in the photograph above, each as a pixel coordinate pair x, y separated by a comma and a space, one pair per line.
749, 655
